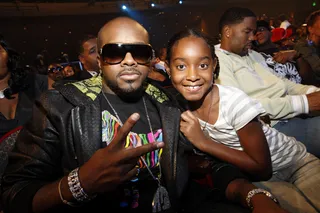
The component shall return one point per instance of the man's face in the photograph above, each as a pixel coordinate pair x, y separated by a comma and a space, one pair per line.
89, 55
315, 28
55, 71
127, 76
241, 35
263, 35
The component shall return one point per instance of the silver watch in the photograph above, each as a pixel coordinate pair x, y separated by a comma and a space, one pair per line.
253, 192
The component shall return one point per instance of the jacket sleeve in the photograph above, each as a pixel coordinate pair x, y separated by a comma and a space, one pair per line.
35, 160
311, 57
299, 89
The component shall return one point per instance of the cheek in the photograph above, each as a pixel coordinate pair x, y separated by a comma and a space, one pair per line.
93, 57
177, 78
144, 70
107, 73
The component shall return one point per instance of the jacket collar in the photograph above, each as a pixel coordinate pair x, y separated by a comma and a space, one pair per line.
84, 92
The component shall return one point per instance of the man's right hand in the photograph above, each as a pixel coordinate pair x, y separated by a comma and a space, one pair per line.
114, 164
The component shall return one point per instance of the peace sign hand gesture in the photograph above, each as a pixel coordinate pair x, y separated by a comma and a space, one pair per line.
114, 164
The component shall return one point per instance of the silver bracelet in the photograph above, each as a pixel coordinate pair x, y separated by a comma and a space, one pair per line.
253, 192
75, 187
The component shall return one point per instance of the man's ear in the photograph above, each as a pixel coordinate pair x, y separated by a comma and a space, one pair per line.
226, 31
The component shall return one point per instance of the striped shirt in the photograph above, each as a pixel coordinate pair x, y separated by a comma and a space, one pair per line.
236, 109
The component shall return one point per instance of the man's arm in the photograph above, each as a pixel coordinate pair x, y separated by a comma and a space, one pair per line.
303, 67
35, 172
277, 108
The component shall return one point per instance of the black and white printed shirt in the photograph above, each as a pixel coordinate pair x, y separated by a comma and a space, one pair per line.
287, 70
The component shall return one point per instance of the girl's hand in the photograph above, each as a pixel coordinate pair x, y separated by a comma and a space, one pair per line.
190, 127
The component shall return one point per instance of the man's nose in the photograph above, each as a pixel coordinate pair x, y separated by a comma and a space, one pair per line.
129, 60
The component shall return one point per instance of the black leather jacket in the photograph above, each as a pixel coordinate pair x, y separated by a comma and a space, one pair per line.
65, 132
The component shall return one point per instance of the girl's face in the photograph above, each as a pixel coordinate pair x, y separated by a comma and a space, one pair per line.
192, 67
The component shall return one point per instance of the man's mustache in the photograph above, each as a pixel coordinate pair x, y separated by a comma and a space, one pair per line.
129, 72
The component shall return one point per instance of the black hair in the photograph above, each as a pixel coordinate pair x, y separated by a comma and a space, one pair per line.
282, 17
234, 15
198, 34
311, 19
263, 23
18, 75
84, 39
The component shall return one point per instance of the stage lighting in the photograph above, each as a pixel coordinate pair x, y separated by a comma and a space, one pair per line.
152, 5
124, 7
180, 2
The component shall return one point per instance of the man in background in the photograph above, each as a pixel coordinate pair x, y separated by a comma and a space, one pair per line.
88, 58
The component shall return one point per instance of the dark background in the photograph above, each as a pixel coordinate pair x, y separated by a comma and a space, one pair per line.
53, 27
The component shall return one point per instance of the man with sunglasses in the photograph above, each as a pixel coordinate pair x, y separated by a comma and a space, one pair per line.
54, 74
112, 144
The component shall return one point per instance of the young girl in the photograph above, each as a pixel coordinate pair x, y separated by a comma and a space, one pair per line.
224, 122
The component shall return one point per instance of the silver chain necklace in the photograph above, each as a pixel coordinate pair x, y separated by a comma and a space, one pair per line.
161, 197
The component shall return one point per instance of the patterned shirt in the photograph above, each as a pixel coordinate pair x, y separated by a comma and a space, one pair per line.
110, 127
287, 70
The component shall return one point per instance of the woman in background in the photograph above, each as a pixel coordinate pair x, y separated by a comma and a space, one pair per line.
18, 90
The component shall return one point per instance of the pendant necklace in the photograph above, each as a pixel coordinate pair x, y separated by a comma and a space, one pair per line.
204, 128
160, 201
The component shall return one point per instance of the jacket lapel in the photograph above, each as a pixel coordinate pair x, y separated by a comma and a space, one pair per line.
86, 128
85, 116
173, 161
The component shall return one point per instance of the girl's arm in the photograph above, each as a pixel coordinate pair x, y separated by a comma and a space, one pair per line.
254, 159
